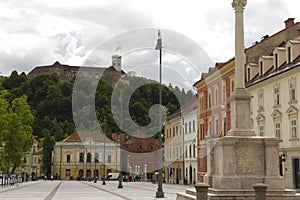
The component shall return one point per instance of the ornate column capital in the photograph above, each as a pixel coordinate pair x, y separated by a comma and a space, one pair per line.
239, 5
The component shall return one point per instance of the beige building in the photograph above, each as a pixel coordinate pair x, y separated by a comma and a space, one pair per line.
274, 81
174, 149
84, 155
32, 165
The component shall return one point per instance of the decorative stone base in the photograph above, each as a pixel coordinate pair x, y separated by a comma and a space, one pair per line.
238, 162
215, 194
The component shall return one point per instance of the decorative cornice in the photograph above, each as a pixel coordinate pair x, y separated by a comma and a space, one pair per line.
239, 5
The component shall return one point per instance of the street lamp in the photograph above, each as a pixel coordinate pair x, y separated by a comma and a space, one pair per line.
120, 171
104, 128
159, 192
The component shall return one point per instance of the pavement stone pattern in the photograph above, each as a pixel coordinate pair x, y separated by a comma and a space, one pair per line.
61, 190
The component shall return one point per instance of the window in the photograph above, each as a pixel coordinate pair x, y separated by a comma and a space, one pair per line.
185, 127
209, 101
260, 101
276, 96
224, 126
224, 93
176, 130
194, 151
186, 151
277, 130
261, 68
248, 74
81, 157
194, 127
294, 128
201, 103
276, 60
201, 131
216, 96
180, 151
217, 127
293, 90
140, 146
261, 130
89, 157
209, 128
190, 150
190, 127
68, 158
151, 146
108, 158
96, 159
289, 56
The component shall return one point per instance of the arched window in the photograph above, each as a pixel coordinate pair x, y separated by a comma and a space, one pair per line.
89, 157
81, 157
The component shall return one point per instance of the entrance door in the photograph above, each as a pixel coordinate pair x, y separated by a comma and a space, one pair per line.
191, 175
296, 172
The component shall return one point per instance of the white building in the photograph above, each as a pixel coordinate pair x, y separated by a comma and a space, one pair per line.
273, 82
190, 129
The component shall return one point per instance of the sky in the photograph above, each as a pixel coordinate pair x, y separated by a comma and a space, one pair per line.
195, 33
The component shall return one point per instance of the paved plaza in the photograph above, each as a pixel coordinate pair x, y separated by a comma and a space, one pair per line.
59, 190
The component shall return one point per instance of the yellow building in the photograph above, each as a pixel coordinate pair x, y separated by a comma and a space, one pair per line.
174, 155
84, 155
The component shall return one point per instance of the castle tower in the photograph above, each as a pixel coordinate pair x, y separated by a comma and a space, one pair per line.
116, 62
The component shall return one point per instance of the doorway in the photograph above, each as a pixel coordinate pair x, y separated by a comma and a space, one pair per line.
296, 172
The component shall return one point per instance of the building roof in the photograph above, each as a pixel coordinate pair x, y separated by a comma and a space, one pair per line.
134, 144
82, 137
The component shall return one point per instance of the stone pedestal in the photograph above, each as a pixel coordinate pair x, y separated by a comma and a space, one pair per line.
240, 113
238, 162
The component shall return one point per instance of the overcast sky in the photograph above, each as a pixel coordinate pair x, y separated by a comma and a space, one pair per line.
40, 32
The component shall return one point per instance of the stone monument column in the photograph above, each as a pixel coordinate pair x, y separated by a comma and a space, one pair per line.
240, 99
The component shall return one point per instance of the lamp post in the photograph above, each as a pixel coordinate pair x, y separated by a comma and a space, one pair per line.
159, 192
104, 183
121, 115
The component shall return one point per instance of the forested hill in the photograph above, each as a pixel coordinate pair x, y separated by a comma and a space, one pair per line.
50, 101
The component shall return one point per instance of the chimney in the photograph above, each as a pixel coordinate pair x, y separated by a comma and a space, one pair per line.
116, 62
289, 22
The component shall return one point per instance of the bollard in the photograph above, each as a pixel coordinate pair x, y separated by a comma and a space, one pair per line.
202, 190
260, 191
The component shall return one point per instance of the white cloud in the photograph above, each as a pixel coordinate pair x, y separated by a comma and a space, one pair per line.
41, 32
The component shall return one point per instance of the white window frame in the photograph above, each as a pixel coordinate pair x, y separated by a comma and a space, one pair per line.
278, 130
294, 130
260, 101
276, 95
261, 130
292, 90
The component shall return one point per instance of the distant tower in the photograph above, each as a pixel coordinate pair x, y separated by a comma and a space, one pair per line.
116, 62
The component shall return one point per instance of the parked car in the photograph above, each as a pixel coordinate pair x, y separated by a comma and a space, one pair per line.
112, 176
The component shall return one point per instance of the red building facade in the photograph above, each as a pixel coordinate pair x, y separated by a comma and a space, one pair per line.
213, 93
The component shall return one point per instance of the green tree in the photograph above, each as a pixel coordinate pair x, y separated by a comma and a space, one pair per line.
47, 145
17, 132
